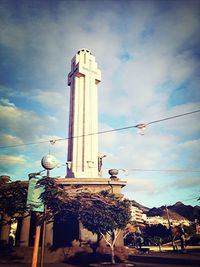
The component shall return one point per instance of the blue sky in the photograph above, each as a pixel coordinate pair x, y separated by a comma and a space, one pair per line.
148, 53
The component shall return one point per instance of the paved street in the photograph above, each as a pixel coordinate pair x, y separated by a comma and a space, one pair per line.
154, 259
167, 260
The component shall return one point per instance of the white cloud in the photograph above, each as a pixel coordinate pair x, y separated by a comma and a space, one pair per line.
107, 140
51, 99
12, 160
148, 186
187, 182
26, 125
9, 140
6, 102
12, 164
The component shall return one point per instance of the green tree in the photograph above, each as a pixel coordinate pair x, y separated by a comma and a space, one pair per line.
60, 201
107, 220
12, 200
156, 234
103, 213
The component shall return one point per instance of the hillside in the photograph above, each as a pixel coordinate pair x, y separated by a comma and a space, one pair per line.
187, 211
141, 207
178, 211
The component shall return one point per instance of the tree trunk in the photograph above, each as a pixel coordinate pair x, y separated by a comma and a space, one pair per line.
112, 255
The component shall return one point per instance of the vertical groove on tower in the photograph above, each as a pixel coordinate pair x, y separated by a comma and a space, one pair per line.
83, 140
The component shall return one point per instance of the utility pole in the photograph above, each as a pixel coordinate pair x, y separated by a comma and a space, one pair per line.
36, 242
44, 231
170, 228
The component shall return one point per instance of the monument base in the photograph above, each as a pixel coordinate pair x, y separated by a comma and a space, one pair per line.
95, 185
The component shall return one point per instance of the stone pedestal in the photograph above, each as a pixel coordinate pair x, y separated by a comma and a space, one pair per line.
94, 184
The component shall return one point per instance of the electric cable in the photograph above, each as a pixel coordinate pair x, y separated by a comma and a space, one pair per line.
163, 170
120, 169
139, 126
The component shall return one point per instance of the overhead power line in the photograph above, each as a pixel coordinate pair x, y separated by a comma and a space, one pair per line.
174, 117
164, 170
120, 169
139, 126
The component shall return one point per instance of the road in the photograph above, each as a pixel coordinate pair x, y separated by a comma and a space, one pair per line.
191, 258
154, 259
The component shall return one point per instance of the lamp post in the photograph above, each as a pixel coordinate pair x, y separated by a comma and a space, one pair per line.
48, 162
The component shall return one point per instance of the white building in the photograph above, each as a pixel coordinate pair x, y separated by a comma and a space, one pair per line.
160, 220
137, 215
157, 220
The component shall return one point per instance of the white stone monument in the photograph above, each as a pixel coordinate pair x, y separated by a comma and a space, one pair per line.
82, 161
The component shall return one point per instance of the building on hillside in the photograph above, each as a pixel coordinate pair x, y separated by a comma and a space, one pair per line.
156, 220
160, 220
137, 215
182, 222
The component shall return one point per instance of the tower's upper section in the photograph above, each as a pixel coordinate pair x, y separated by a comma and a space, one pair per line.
82, 63
84, 50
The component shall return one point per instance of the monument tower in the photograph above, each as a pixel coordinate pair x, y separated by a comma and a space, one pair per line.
82, 160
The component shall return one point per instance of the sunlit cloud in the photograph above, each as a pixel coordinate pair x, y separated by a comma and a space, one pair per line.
187, 182
12, 160
9, 140
6, 102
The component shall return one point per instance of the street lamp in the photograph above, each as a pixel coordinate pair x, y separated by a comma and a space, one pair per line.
48, 162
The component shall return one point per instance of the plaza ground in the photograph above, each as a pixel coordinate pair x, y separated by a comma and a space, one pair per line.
166, 258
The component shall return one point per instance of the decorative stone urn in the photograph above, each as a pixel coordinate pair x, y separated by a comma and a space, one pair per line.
113, 174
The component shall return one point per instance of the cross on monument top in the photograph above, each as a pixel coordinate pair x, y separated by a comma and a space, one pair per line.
82, 63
